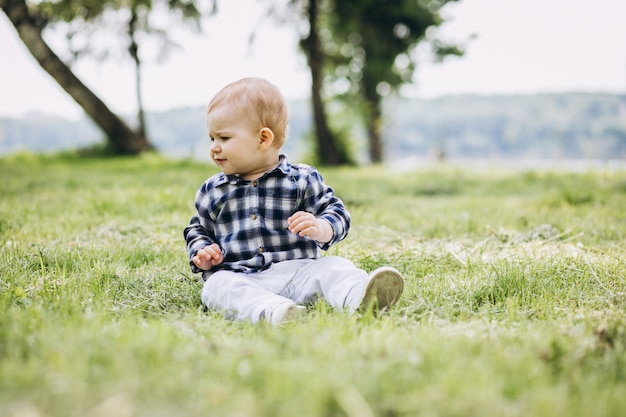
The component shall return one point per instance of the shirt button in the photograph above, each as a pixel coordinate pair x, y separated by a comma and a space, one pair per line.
254, 217
255, 183
261, 249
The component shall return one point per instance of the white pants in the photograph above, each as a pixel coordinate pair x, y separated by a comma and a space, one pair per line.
246, 296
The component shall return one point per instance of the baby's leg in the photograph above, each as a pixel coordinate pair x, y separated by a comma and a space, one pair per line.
242, 296
335, 279
347, 287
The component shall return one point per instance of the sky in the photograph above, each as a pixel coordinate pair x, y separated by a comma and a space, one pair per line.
512, 47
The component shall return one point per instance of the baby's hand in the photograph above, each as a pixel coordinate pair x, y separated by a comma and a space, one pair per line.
306, 224
208, 257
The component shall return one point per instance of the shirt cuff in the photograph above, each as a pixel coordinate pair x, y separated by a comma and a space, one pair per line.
338, 230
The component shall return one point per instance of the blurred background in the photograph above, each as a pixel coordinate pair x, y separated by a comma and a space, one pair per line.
380, 81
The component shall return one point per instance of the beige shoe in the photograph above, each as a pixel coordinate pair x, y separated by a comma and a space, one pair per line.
383, 291
287, 313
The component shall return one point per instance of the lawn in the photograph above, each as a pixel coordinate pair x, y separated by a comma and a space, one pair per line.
515, 298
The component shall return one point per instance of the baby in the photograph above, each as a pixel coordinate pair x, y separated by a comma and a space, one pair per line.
262, 222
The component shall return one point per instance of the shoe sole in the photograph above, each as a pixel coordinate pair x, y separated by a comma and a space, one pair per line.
383, 290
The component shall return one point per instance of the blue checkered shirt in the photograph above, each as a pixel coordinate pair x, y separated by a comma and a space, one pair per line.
248, 219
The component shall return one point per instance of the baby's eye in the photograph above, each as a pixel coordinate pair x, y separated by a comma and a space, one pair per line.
219, 138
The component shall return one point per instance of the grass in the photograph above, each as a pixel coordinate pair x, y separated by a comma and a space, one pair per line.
515, 301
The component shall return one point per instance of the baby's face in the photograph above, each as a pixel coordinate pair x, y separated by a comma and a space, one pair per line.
235, 143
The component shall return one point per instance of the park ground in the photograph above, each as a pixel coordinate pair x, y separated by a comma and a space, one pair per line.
515, 299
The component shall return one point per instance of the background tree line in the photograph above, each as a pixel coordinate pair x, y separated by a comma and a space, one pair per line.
358, 52
544, 126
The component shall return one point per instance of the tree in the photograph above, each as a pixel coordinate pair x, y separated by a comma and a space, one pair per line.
328, 146
367, 45
371, 50
128, 22
29, 25
304, 15
31, 22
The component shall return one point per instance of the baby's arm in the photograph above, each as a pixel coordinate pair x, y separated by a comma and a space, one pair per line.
208, 257
204, 252
306, 224
321, 216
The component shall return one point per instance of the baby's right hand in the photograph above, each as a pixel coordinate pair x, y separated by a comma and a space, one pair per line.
208, 257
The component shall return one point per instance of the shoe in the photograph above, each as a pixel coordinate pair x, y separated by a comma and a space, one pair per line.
286, 313
383, 290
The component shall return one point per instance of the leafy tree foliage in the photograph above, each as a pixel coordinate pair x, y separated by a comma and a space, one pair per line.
371, 45
361, 51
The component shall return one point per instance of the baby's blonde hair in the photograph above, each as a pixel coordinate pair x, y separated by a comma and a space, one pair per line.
259, 99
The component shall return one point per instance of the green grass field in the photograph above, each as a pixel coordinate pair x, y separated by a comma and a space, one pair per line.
515, 300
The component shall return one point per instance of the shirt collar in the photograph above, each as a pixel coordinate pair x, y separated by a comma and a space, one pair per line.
283, 164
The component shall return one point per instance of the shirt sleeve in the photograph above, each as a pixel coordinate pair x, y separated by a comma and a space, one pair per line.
199, 233
320, 199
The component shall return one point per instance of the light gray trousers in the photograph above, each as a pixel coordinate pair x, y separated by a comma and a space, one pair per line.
245, 296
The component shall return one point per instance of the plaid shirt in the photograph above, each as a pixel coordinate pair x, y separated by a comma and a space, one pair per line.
248, 219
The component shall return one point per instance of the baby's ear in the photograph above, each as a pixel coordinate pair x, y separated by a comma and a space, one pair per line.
266, 138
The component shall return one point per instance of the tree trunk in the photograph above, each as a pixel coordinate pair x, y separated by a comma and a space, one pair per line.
329, 151
121, 138
374, 130
133, 49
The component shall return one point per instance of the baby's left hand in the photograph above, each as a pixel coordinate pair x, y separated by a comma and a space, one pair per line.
306, 224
